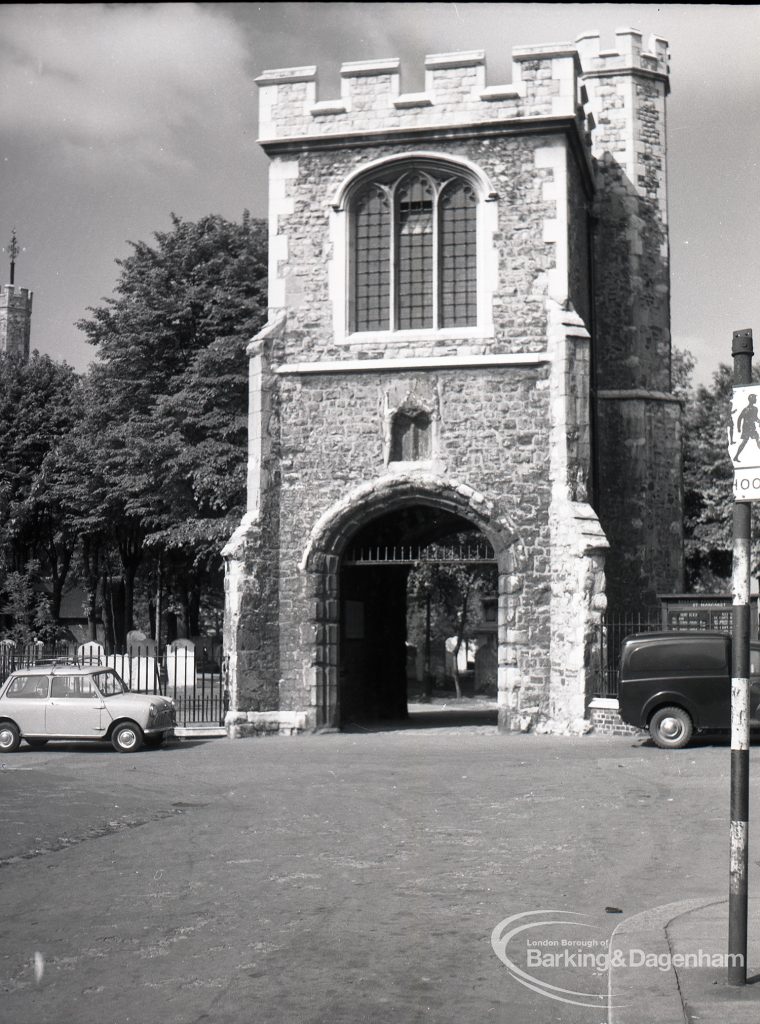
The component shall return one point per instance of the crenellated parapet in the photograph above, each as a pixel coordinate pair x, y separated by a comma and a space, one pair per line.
545, 84
15, 320
629, 55
16, 298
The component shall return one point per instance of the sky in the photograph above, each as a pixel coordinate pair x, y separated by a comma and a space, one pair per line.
113, 116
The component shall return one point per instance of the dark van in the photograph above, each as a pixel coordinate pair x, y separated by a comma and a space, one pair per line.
675, 683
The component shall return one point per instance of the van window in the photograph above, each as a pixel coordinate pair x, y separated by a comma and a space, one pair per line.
700, 655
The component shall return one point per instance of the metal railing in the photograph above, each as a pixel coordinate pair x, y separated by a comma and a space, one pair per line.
192, 676
612, 631
684, 618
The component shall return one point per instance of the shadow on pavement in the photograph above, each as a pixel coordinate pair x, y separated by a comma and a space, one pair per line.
98, 747
432, 718
711, 739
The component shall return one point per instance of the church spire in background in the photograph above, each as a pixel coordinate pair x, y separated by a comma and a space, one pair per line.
13, 253
15, 310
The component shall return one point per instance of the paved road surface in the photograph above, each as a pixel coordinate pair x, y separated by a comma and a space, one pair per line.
337, 879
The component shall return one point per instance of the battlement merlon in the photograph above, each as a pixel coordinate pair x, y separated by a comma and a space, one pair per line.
545, 85
16, 298
630, 56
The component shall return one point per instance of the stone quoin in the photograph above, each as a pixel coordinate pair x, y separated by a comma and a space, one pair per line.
468, 330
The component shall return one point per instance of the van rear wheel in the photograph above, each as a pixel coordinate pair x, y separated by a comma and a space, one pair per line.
671, 728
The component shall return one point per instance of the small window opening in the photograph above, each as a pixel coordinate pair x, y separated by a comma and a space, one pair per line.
411, 437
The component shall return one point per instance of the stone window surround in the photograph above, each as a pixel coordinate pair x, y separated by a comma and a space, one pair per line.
412, 404
487, 256
419, 426
389, 238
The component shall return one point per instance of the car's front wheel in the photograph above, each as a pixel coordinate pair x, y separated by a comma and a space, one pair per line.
10, 737
671, 728
127, 737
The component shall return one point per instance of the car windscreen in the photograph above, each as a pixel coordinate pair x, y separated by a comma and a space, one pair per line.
109, 683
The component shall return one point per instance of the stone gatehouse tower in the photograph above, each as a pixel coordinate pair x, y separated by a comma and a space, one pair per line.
469, 330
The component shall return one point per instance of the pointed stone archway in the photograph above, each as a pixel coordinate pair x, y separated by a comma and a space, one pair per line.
327, 546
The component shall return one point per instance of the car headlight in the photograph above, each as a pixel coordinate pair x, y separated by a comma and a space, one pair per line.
153, 711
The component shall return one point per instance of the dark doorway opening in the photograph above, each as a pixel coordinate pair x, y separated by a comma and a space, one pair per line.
385, 679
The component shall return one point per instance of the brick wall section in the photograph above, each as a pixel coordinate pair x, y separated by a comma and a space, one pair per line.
607, 722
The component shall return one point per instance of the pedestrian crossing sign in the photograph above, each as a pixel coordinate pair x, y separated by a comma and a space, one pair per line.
744, 442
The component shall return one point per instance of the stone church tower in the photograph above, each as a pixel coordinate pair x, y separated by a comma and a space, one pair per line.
468, 335
15, 312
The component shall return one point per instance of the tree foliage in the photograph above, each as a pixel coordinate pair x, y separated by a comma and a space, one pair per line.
708, 484
40, 401
140, 464
449, 592
171, 379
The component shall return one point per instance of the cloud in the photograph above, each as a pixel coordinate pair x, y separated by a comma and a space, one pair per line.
130, 83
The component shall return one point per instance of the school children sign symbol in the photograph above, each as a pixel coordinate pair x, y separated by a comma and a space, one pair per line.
744, 442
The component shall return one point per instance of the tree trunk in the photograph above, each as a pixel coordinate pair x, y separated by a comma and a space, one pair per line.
92, 612
130, 551
159, 609
462, 625
91, 552
427, 678
129, 598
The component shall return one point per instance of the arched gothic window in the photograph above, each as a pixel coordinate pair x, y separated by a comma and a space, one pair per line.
411, 439
413, 251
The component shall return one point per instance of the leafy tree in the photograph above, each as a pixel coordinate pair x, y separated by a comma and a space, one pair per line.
169, 390
27, 605
73, 479
708, 484
447, 592
682, 368
40, 401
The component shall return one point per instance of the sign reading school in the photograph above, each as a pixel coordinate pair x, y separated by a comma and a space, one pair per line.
744, 442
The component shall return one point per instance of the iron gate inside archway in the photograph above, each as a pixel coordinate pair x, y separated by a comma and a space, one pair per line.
377, 605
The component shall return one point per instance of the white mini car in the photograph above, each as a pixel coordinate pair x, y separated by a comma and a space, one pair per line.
71, 702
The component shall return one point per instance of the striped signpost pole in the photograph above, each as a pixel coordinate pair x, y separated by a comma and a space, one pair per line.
742, 430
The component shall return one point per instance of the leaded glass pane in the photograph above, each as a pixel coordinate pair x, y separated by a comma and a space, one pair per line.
371, 256
458, 256
414, 212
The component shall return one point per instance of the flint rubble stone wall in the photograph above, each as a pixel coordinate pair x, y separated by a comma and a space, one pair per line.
514, 438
